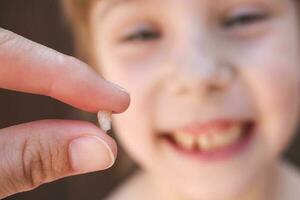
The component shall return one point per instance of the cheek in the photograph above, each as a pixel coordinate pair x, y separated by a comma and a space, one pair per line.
273, 79
135, 129
271, 68
278, 100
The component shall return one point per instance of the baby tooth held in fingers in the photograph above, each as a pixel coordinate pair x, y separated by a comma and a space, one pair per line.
104, 118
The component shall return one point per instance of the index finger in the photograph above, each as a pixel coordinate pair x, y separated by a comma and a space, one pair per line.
33, 68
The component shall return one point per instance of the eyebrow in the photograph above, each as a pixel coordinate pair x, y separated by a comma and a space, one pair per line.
108, 5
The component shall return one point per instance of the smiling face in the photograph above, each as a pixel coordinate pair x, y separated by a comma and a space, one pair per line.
214, 87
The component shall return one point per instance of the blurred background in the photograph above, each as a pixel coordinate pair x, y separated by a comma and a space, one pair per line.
42, 22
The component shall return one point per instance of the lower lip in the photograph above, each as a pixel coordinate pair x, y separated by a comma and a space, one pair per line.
220, 154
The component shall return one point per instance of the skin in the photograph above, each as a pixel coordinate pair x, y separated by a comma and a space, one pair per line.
195, 68
39, 152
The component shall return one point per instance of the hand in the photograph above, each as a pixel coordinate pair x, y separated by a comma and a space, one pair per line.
43, 151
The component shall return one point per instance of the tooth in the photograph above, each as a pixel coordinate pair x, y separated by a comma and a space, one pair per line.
204, 142
231, 136
186, 141
215, 139
219, 139
104, 118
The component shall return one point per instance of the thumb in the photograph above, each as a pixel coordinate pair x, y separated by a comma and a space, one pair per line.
39, 152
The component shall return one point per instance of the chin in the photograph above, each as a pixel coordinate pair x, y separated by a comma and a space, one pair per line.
219, 189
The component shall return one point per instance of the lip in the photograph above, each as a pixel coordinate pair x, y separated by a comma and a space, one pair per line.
204, 128
225, 153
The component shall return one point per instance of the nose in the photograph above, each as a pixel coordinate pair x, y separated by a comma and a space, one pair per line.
200, 72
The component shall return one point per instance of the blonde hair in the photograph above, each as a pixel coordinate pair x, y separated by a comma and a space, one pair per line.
77, 12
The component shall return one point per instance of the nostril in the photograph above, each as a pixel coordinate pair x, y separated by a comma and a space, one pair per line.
208, 88
211, 82
213, 88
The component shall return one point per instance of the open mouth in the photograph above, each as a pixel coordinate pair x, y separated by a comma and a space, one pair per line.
218, 139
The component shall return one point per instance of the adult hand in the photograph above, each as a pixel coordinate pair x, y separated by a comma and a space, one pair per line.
43, 151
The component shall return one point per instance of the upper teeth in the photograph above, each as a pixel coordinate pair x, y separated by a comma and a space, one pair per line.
187, 141
209, 141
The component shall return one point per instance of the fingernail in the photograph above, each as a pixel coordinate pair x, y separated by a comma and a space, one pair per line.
90, 153
119, 87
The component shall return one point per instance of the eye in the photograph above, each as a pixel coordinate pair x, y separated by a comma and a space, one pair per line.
144, 34
244, 18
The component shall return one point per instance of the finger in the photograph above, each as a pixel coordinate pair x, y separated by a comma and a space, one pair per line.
39, 152
29, 67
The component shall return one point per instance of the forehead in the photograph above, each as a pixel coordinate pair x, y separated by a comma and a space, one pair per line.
108, 5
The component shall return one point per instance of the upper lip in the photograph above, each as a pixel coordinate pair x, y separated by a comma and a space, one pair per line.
220, 125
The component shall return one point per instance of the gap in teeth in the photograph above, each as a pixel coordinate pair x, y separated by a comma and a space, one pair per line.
186, 141
209, 141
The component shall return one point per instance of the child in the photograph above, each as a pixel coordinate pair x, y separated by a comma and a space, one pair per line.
214, 93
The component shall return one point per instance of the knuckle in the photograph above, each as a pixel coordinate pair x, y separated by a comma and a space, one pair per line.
37, 163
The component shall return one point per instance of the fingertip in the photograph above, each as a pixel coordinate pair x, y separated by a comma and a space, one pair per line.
118, 99
123, 103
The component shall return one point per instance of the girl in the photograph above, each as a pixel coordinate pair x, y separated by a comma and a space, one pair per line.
214, 88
